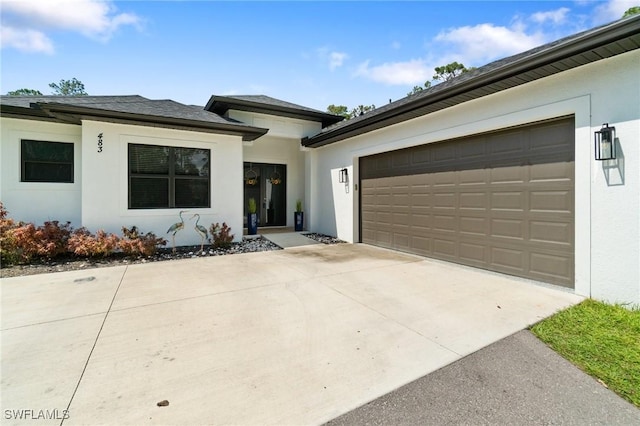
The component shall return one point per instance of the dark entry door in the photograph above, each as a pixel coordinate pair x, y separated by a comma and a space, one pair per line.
266, 184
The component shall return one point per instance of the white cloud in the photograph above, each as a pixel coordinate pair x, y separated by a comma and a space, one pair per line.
485, 42
396, 73
25, 40
612, 10
556, 17
95, 19
470, 45
336, 59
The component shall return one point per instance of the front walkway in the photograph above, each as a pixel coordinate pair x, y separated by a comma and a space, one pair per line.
288, 240
294, 336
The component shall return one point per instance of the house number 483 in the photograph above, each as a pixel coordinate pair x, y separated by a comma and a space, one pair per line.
100, 142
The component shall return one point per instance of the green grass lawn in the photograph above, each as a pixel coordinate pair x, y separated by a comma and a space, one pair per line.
603, 340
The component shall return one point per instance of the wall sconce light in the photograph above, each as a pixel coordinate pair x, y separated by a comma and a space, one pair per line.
344, 176
605, 143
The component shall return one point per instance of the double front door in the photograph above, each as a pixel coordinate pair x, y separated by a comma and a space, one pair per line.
266, 184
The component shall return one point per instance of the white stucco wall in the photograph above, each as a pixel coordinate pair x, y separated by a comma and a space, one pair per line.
38, 201
607, 224
105, 180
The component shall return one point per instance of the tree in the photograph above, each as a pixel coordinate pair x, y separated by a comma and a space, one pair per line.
339, 110
631, 11
24, 92
344, 111
449, 71
418, 89
73, 87
361, 110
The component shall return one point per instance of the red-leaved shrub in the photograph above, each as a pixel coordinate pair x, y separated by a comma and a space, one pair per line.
133, 243
84, 243
49, 240
8, 249
221, 236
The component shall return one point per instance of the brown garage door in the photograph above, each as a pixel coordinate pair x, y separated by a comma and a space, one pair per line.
502, 201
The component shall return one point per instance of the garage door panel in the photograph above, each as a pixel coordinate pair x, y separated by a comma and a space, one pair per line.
444, 179
509, 143
443, 153
551, 232
504, 258
473, 200
508, 175
508, 200
551, 266
473, 177
472, 151
444, 223
473, 226
475, 254
446, 200
551, 201
551, 140
502, 201
508, 228
444, 249
421, 245
559, 172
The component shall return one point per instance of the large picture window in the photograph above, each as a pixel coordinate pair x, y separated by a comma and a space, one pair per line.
44, 161
168, 177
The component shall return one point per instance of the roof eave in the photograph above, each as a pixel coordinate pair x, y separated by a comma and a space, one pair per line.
248, 133
222, 104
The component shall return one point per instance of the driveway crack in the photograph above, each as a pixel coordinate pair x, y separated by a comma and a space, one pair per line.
95, 342
394, 320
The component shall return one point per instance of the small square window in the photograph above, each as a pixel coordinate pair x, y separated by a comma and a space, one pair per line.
44, 161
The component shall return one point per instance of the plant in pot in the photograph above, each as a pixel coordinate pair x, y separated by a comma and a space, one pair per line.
252, 217
298, 217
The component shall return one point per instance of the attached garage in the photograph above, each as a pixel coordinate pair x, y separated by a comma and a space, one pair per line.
502, 201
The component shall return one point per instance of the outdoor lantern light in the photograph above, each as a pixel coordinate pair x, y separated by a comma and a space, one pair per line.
344, 176
605, 140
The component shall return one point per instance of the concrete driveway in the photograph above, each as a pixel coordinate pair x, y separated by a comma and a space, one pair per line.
297, 336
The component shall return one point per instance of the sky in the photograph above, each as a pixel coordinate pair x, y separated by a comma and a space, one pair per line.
312, 53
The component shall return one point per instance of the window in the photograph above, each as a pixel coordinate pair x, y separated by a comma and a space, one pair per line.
44, 161
163, 177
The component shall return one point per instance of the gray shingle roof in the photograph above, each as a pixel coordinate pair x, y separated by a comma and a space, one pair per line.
268, 105
267, 100
127, 107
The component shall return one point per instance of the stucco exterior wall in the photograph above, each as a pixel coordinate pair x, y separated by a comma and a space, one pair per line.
38, 201
105, 180
607, 195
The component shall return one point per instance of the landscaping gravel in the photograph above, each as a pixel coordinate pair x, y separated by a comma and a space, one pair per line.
247, 245
325, 239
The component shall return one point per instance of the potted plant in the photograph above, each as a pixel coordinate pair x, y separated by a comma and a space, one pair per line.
298, 216
252, 217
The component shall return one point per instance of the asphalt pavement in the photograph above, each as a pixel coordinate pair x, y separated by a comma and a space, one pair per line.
515, 381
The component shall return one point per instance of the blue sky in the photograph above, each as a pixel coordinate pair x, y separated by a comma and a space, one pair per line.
312, 53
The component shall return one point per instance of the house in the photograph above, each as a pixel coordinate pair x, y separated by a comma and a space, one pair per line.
494, 169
